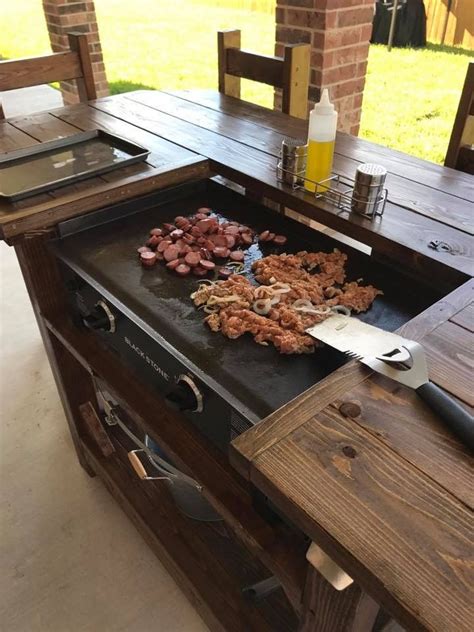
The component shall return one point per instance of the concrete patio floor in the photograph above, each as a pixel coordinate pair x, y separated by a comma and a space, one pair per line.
28, 100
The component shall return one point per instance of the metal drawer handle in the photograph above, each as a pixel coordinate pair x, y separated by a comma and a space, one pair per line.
140, 468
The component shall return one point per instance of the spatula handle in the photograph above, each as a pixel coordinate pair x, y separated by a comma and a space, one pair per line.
455, 417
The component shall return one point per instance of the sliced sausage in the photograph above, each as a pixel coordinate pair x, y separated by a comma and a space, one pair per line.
196, 232
179, 219
231, 230
280, 240
172, 265
222, 252
143, 249
271, 237
169, 227
199, 271
205, 254
207, 265
230, 241
200, 216
219, 240
264, 236
183, 269
177, 233
225, 273
163, 245
189, 239
192, 259
156, 232
154, 241
148, 259
204, 209
237, 255
171, 253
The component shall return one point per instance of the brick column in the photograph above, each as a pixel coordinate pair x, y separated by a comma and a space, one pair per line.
64, 16
339, 32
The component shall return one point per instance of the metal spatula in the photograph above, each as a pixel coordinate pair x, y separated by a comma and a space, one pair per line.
398, 358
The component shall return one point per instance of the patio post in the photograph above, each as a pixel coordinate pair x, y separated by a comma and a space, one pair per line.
339, 33
64, 16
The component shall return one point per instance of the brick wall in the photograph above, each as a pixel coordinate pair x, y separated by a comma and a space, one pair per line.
339, 33
64, 16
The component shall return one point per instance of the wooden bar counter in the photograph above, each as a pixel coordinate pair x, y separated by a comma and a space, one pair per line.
359, 467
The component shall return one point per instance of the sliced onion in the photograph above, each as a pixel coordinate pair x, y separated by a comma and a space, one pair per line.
216, 300
341, 309
274, 300
211, 309
322, 310
302, 302
279, 288
262, 306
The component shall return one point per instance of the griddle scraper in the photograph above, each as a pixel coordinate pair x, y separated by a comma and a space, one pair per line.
396, 357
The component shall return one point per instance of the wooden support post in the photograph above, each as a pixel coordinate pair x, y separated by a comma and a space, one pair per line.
79, 44
228, 84
329, 610
296, 80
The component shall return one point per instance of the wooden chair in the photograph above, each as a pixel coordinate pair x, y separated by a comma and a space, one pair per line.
290, 72
460, 154
33, 71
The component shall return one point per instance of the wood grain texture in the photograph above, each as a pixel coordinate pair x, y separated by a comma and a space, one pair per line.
12, 138
462, 114
188, 550
78, 43
465, 318
330, 610
409, 167
386, 524
416, 197
261, 68
283, 553
246, 448
227, 83
33, 71
296, 63
400, 235
41, 216
450, 354
95, 428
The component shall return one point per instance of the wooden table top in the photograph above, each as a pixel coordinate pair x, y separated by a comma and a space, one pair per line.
389, 493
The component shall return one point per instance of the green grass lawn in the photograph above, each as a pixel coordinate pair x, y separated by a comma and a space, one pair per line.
410, 97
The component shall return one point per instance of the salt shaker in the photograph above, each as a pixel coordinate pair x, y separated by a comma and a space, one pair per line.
369, 192
292, 166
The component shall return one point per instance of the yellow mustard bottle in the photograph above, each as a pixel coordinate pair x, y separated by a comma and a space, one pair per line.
321, 141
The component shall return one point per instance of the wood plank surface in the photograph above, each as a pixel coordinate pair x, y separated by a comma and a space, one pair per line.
409, 231
383, 521
465, 318
434, 203
12, 138
246, 448
428, 173
450, 354
46, 214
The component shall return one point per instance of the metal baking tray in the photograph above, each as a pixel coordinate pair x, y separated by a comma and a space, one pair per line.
53, 164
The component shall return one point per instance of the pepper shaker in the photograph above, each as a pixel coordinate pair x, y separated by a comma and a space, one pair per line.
292, 165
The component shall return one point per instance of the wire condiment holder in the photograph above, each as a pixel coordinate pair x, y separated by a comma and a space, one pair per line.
338, 190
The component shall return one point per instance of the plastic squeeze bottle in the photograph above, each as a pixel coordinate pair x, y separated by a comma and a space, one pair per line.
321, 141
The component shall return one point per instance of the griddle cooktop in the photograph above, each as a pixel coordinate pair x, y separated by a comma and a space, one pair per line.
156, 317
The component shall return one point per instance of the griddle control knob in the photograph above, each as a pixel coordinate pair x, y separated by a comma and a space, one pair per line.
101, 318
185, 395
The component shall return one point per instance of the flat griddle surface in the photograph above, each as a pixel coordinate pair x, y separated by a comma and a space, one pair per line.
255, 375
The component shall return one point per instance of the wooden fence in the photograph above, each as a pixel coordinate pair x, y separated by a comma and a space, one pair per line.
450, 22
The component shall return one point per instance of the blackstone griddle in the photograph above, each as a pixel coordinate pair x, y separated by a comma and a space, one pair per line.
146, 316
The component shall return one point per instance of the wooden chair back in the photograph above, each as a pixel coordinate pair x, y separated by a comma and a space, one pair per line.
33, 71
290, 72
460, 154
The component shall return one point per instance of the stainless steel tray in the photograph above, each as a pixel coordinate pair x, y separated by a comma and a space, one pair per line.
48, 166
